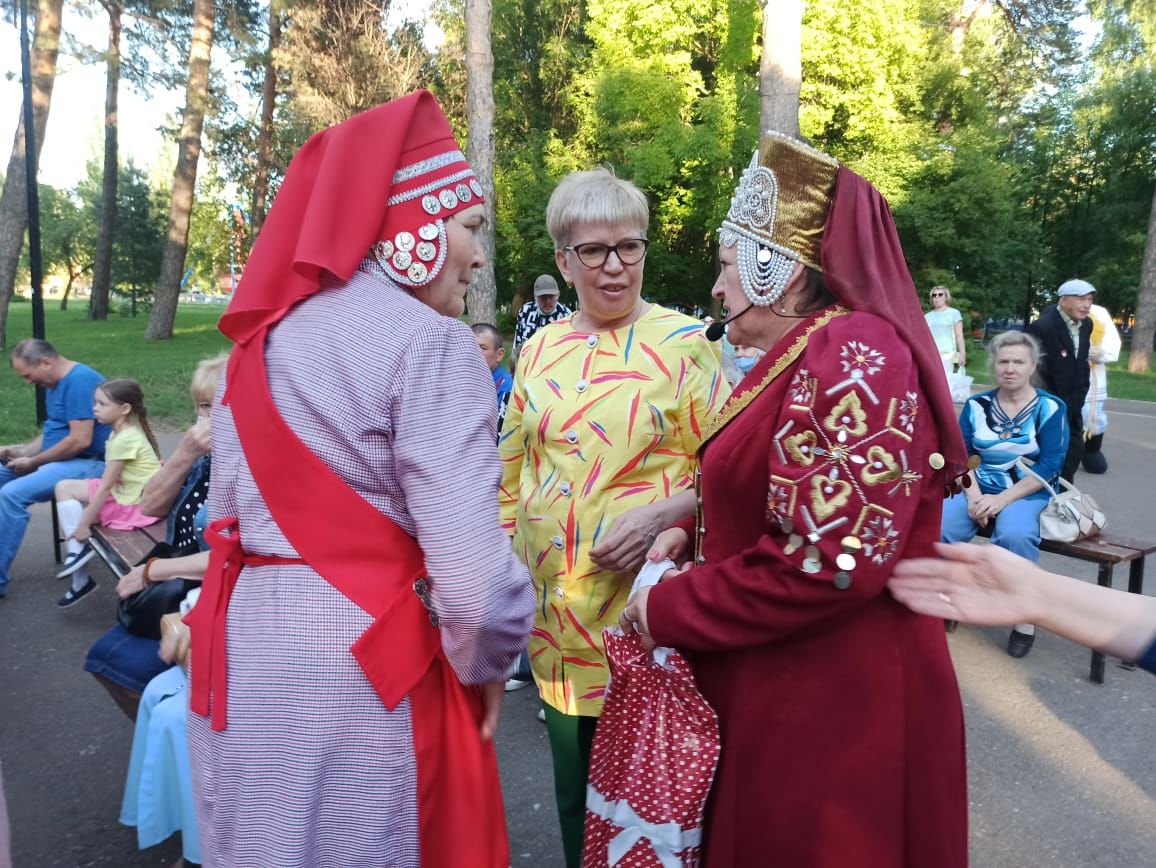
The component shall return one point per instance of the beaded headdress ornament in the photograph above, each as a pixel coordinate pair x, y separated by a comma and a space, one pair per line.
777, 214
432, 183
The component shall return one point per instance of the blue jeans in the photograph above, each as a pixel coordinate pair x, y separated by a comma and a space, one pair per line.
17, 493
1017, 527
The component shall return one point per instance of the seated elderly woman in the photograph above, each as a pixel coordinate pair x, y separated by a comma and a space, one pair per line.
120, 660
1007, 427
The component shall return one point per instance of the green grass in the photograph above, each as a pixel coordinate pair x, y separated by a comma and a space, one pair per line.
1121, 383
116, 348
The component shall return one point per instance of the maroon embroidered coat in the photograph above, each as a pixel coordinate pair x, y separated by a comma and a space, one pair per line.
841, 725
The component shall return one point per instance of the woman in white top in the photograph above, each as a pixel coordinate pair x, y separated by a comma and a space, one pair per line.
946, 324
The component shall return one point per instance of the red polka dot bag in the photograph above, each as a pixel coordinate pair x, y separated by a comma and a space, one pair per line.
653, 761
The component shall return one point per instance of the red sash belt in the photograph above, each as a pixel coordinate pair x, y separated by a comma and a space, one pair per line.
374, 563
208, 616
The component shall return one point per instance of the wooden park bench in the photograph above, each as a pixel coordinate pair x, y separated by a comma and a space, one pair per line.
120, 549
1107, 550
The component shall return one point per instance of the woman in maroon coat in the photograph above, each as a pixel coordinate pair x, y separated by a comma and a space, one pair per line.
842, 731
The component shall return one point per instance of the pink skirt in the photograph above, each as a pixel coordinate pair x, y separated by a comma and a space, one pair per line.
119, 516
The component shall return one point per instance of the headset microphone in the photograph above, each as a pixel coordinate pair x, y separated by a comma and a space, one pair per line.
717, 329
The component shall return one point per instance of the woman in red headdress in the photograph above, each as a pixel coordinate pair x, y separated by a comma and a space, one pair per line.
359, 579
839, 714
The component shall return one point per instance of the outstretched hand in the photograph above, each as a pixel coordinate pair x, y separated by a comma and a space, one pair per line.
985, 585
670, 544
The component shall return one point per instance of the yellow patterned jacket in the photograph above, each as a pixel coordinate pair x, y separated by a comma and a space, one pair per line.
597, 424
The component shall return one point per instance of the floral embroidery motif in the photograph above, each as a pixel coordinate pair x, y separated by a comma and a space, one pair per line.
780, 499
847, 416
903, 414
881, 467
858, 356
801, 447
802, 389
880, 538
829, 494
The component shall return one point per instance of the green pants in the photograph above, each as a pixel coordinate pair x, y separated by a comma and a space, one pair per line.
571, 737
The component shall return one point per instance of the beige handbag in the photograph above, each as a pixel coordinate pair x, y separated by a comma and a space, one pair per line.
1070, 515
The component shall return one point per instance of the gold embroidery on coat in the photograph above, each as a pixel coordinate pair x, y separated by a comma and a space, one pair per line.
801, 447
828, 495
847, 416
881, 466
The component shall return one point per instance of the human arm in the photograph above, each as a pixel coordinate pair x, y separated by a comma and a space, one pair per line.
448, 469
18, 450
988, 585
78, 438
960, 343
162, 570
871, 486
163, 489
1110, 343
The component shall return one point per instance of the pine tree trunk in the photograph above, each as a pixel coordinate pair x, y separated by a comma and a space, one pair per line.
102, 262
265, 133
483, 291
781, 67
168, 288
1140, 359
14, 200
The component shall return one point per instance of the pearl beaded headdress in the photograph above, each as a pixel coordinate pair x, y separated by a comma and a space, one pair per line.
777, 214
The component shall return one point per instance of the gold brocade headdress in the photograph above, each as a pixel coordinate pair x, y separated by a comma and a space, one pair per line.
778, 213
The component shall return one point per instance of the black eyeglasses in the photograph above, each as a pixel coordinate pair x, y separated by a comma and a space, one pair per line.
939, 295
594, 254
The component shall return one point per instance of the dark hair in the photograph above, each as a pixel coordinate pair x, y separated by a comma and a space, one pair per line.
32, 351
126, 391
815, 294
484, 328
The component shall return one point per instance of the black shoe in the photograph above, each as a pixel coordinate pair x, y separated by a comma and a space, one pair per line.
71, 598
1019, 644
75, 561
1094, 462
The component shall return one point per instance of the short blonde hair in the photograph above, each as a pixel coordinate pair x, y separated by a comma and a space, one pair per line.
595, 196
946, 292
206, 377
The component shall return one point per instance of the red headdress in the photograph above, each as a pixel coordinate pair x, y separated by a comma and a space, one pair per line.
378, 185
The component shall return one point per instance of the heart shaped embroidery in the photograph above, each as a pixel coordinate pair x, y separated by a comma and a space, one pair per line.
847, 416
881, 467
828, 495
801, 447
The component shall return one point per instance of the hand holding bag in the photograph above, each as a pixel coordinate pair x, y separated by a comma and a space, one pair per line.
1070, 515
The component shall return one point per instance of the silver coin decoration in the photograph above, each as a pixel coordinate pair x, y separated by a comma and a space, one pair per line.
476, 187
426, 252
430, 204
845, 561
464, 192
402, 260
417, 272
448, 198
404, 241
427, 231
384, 249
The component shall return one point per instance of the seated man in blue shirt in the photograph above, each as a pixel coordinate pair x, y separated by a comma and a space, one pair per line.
71, 446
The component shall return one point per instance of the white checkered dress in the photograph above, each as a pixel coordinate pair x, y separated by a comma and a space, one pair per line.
312, 769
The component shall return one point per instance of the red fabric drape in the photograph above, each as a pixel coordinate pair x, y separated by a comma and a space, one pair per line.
864, 267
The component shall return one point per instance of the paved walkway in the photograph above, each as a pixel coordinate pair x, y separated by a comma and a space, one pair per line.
1061, 770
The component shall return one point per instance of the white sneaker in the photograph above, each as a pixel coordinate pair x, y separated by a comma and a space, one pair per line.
542, 715
516, 684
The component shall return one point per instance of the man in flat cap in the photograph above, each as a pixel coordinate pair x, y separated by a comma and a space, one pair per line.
1064, 331
541, 311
